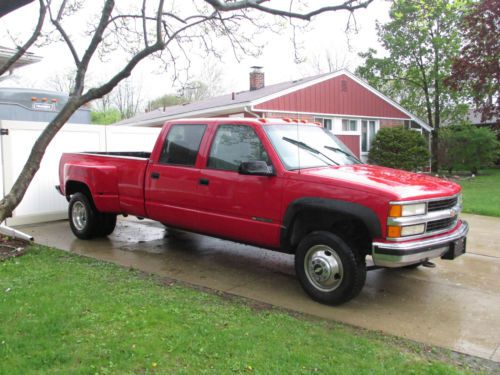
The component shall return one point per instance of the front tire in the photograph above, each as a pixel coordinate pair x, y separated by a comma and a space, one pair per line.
329, 269
83, 217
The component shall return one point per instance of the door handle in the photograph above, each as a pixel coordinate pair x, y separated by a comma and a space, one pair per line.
204, 181
155, 175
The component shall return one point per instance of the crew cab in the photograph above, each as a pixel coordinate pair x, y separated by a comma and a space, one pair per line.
280, 184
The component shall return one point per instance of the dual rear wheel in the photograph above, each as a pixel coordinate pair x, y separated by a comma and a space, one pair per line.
85, 221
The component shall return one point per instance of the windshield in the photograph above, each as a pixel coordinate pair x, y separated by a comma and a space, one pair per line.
308, 146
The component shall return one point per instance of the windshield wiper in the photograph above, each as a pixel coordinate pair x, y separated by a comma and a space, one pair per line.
305, 146
335, 149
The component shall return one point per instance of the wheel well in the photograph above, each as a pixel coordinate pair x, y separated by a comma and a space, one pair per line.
73, 187
349, 228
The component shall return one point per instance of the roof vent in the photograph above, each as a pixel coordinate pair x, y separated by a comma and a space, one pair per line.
343, 85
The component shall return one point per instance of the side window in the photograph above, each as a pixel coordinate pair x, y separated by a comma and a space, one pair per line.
234, 144
182, 144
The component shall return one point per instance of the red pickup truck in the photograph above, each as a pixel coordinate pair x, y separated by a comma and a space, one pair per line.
279, 184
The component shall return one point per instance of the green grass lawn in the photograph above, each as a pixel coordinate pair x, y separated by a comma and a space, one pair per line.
482, 193
64, 314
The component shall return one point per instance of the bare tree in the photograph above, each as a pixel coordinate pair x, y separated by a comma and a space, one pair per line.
149, 31
328, 62
213, 77
207, 85
103, 104
62, 81
126, 98
194, 91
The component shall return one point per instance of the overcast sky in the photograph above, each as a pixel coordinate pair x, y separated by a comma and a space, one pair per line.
325, 34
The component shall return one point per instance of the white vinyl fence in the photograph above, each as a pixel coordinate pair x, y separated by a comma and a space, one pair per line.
42, 202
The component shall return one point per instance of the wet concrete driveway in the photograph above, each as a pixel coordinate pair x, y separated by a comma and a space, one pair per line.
455, 305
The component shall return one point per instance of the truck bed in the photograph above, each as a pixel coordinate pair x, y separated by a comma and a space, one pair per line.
129, 154
115, 179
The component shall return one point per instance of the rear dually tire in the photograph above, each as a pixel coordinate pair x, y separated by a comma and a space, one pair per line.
83, 217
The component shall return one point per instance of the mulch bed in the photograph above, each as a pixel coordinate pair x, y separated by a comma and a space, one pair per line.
12, 247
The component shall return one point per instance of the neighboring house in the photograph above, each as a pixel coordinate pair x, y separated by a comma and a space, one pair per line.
343, 103
493, 123
37, 105
26, 59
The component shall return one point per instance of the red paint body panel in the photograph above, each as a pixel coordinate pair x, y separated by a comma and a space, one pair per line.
230, 204
334, 97
243, 208
116, 183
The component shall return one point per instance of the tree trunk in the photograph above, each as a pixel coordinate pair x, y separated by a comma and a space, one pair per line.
437, 112
435, 150
16, 194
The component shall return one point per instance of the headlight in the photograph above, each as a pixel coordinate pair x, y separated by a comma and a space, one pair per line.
412, 230
398, 210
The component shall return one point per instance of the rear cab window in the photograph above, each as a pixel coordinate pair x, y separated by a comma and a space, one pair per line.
182, 144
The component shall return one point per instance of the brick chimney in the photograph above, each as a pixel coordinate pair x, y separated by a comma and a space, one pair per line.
256, 78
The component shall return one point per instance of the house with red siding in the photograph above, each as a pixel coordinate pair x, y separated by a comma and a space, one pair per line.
342, 102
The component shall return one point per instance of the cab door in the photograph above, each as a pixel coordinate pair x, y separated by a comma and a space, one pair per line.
241, 207
171, 182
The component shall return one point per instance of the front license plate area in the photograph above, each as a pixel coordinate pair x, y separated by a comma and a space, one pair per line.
457, 248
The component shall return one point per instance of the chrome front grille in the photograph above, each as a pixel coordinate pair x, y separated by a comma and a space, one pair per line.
442, 204
436, 225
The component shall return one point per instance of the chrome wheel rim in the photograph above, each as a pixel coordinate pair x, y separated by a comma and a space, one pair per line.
323, 268
79, 215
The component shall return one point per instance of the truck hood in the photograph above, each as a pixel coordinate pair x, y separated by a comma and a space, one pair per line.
394, 183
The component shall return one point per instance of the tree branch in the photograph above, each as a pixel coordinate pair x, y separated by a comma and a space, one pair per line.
144, 28
413, 82
94, 43
349, 5
127, 70
24, 48
56, 22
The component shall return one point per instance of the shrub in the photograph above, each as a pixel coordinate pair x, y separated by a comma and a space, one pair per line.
399, 148
467, 147
107, 117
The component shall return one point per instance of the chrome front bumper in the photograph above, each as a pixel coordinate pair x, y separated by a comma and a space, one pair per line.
405, 253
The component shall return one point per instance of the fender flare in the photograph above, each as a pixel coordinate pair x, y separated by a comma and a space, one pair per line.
366, 215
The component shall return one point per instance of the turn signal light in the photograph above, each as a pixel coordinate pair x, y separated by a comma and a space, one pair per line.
393, 231
396, 210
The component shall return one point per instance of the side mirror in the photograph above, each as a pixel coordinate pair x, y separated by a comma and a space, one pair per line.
256, 168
